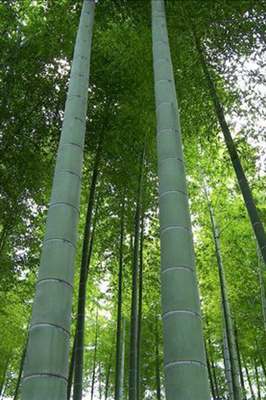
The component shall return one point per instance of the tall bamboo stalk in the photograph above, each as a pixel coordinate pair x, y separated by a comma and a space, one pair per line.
73, 353
106, 391
119, 308
184, 356
213, 368
122, 363
140, 312
262, 289
157, 361
100, 380
94, 356
86, 254
257, 380
241, 177
134, 297
71, 368
20, 371
249, 381
46, 362
240, 366
227, 363
210, 374
225, 305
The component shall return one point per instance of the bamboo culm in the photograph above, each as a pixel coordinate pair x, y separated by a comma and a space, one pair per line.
20, 371
227, 362
122, 363
213, 368
94, 356
108, 376
140, 312
249, 381
72, 360
71, 369
79, 349
157, 358
225, 302
262, 288
241, 177
185, 366
210, 375
134, 296
46, 362
257, 380
119, 308
240, 366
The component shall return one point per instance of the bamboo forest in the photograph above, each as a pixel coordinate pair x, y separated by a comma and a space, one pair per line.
132, 200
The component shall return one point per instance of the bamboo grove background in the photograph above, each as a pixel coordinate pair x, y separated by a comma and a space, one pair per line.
217, 51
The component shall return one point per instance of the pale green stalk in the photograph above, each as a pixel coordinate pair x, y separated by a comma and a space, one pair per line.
227, 320
46, 363
184, 355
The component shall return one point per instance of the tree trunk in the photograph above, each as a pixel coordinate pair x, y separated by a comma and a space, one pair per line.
134, 297
262, 289
119, 308
46, 366
158, 379
86, 254
240, 366
249, 380
140, 313
225, 305
95, 356
257, 380
180, 299
241, 177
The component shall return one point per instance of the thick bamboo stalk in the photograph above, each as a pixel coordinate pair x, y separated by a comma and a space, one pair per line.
184, 356
46, 363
